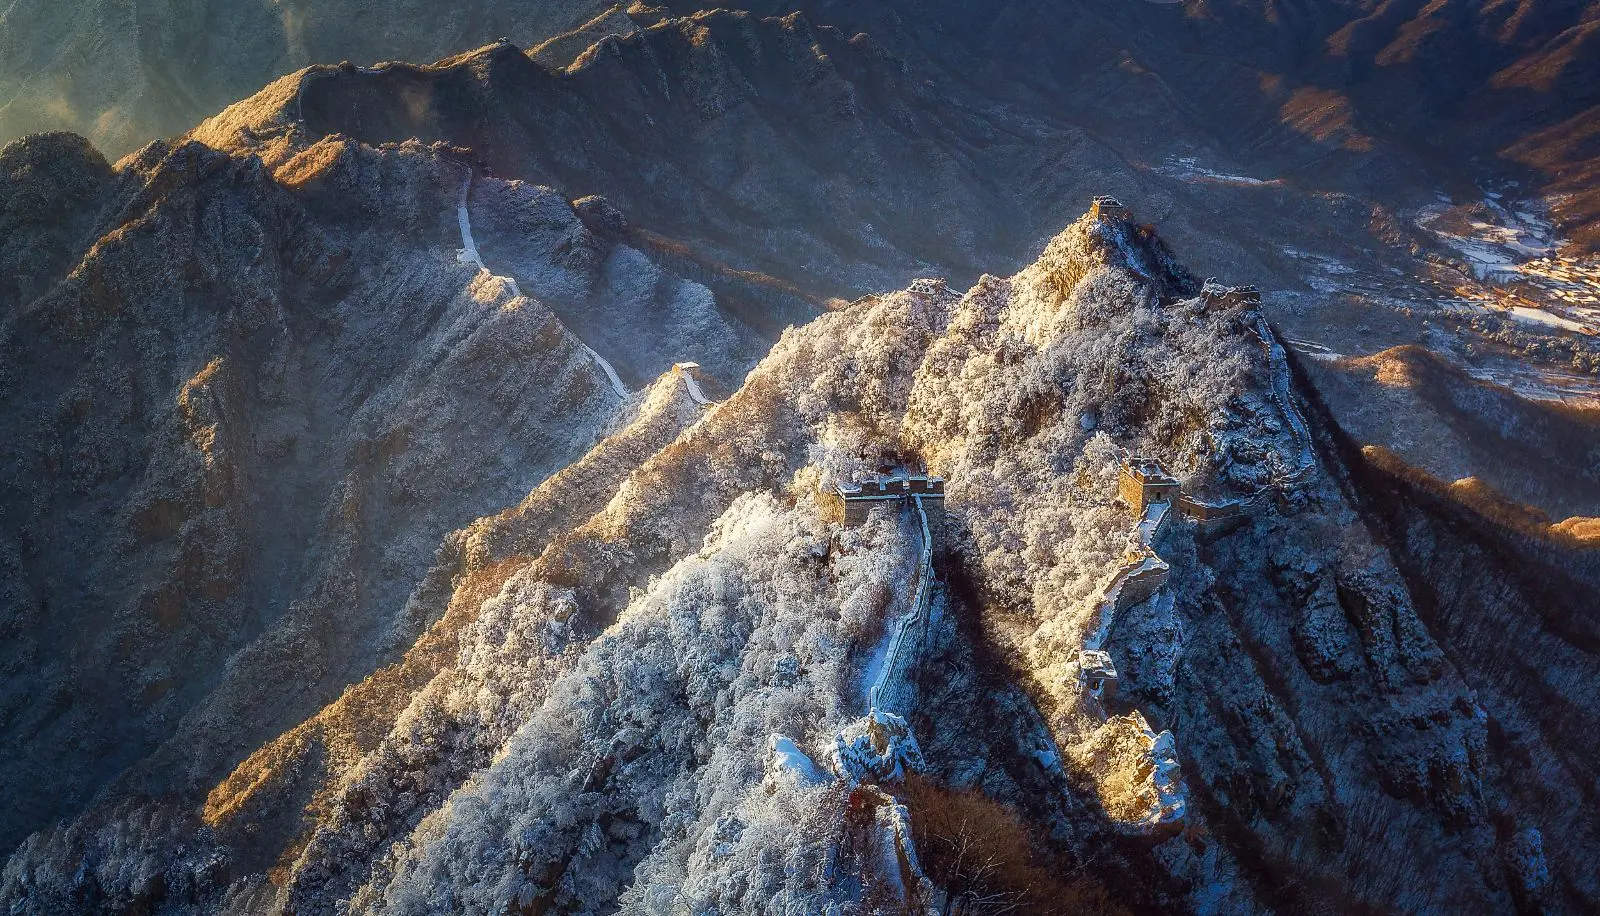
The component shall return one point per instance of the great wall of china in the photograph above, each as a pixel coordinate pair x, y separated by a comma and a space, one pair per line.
690, 373
1153, 495
879, 748
468, 254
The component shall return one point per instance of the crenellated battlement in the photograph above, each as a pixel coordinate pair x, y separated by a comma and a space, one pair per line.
855, 500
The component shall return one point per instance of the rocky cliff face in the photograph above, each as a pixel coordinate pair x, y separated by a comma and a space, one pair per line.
622, 691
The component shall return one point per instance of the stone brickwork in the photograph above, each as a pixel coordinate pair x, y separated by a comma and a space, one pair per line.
853, 501
1216, 294
1143, 481
1097, 678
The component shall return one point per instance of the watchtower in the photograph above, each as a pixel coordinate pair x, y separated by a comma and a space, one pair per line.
1143, 481
1097, 677
1106, 207
857, 499
1216, 294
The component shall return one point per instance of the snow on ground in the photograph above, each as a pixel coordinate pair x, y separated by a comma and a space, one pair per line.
788, 759
1495, 245
1188, 168
656, 719
1537, 383
687, 370
1548, 293
1312, 350
1514, 252
875, 668
1540, 316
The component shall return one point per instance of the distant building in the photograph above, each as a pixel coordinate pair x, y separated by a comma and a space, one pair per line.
1108, 208
1143, 481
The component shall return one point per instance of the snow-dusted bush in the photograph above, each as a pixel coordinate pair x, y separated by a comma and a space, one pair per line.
644, 766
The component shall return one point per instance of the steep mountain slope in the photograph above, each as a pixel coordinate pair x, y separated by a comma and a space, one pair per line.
1544, 454
242, 406
784, 164
1457, 91
647, 699
793, 150
830, 184
1511, 603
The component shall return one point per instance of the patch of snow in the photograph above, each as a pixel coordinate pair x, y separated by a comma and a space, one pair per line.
1540, 316
1188, 168
1493, 249
787, 758
610, 371
875, 668
687, 370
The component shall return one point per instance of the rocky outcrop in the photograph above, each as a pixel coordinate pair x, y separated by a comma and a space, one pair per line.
1510, 605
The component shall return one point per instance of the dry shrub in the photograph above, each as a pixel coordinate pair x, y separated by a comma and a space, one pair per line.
979, 852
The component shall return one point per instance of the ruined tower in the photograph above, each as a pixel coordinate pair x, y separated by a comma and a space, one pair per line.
1108, 208
855, 500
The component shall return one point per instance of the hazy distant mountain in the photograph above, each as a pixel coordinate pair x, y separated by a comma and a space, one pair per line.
1289, 90
1303, 90
123, 74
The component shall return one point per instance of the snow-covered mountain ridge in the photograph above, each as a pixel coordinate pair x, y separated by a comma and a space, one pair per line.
622, 693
